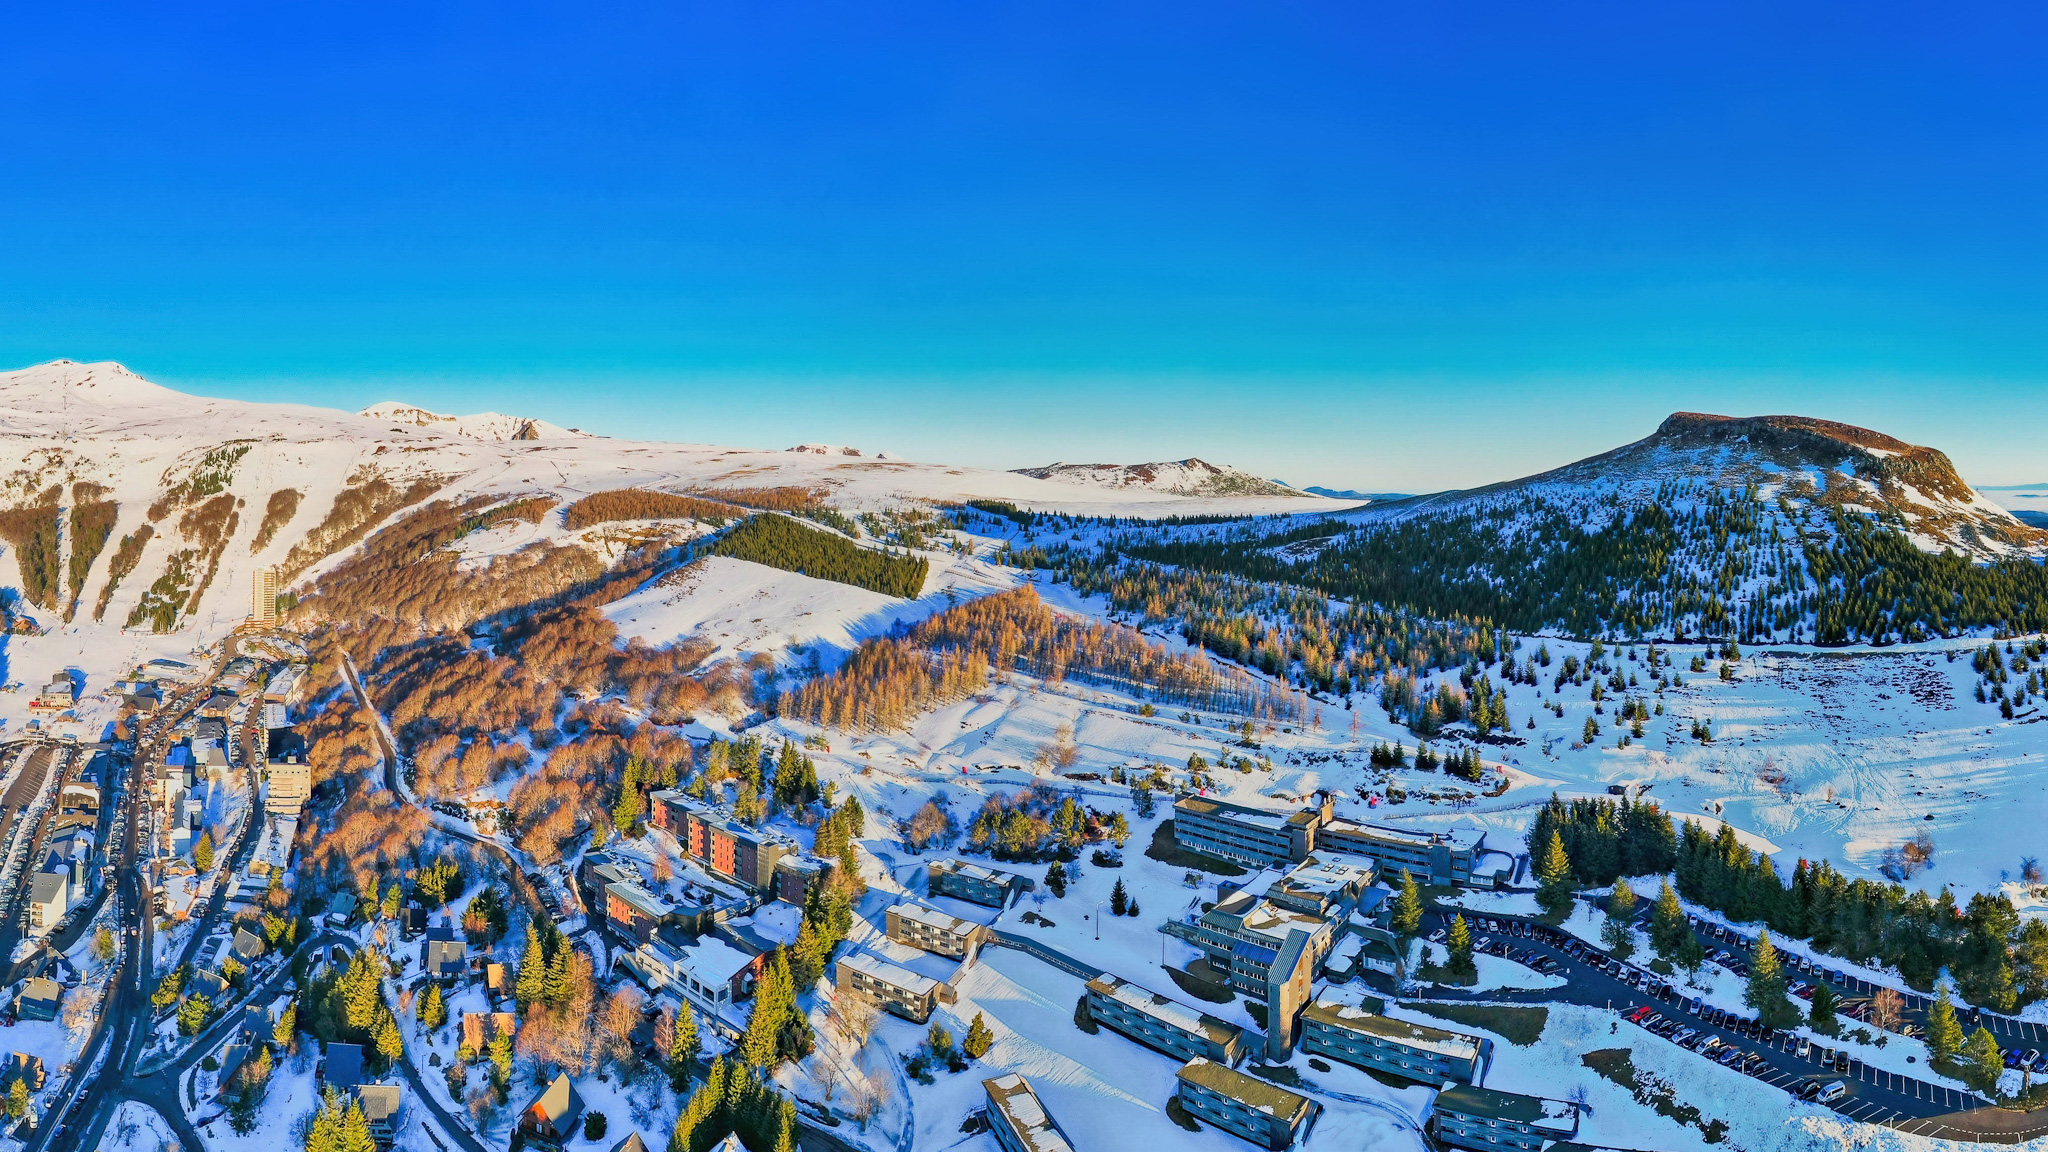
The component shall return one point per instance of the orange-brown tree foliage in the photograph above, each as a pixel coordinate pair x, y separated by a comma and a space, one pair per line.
643, 504
889, 681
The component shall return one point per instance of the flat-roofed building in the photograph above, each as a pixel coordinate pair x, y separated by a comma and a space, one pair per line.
1263, 836
1324, 884
1162, 1023
1257, 1110
1018, 1119
1434, 856
633, 911
975, 883
892, 987
933, 931
291, 782
1363, 1038
724, 845
1487, 1120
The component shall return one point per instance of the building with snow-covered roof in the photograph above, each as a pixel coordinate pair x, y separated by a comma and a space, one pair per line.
1263, 836
1325, 884
933, 930
1433, 855
717, 839
1018, 1119
549, 1122
1246, 1106
1162, 1023
710, 972
1487, 1120
1359, 1036
894, 988
975, 883
633, 912
291, 782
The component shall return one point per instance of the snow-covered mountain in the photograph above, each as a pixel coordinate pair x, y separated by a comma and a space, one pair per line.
480, 426
1797, 458
129, 504
1190, 477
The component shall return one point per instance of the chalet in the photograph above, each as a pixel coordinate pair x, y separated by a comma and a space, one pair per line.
380, 1104
444, 955
344, 1068
39, 999
550, 1121
248, 945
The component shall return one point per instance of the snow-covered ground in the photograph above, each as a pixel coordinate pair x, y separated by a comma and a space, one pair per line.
138, 1128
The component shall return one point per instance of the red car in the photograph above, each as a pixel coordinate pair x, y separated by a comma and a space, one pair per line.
1636, 1017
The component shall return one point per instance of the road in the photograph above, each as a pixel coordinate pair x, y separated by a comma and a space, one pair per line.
1875, 1096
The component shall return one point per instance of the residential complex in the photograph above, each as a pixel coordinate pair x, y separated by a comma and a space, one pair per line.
768, 863
1258, 1110
933, 931
892, 986
1161, 1023
975, 883
1487, 1120
1018, 1119
1359, 1036
1273, 838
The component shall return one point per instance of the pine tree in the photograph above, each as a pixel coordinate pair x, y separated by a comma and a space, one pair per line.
1985, 1062
325, 1133
683, 1048
1820, 1013
501, 1057
785, 1138
1668, 929
758, 1044
1555, 872
1056, 880
533, 966
1618, 933
554, 986
1461, 964
1408, 906
287, 1024
202, 853
1944, 1034
355, 1132
433, 1013
1119, 900
390, 1044
1766, 989
979, 1038
17, 1098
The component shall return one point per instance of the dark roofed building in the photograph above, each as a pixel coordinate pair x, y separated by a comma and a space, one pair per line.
344, 1066
550, 1121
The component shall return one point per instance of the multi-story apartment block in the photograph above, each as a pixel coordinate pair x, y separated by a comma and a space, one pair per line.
1158, 1022
1433, 856
892, 987
1359, 1036
765, 861
1488, 1121
975, 883
1261, 836
1257, 1110
933, 931
1018, 1119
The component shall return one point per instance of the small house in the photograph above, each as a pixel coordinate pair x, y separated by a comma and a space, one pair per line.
550, 1121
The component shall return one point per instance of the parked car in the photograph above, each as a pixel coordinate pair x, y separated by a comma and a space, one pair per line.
1804, 1048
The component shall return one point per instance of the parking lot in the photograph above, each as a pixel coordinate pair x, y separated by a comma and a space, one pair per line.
1779, 1059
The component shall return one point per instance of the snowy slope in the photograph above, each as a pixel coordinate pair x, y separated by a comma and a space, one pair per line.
63, 423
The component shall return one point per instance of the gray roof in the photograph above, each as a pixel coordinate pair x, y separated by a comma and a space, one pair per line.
47, 887
247, 944
379, 1101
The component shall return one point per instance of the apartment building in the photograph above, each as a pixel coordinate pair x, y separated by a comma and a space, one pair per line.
1489, 1121
975, 883
1018, 1119
1434, 856
892, 987
1257, 1110
291, 782
767, 862
1360, 1036
1261, 836
933, 931
1158, 1022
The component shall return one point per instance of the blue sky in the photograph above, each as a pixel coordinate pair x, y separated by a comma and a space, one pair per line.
1386, 246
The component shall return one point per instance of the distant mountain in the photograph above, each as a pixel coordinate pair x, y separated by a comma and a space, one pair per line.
1761, 528
2030, 517
1348, 494
481, 426
1797, 458
1190, 477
